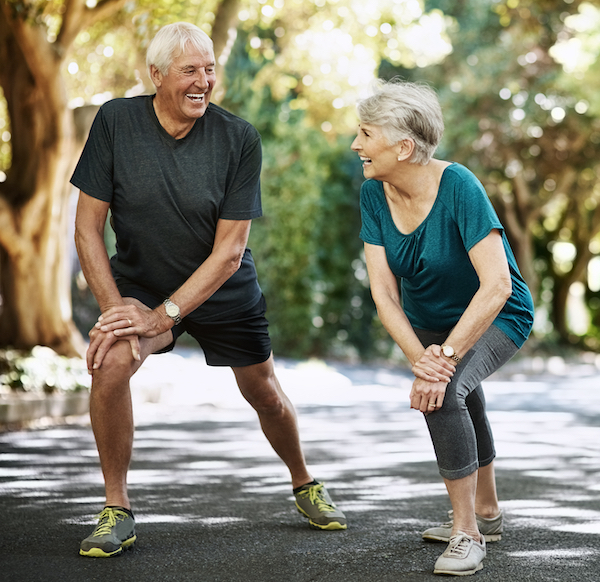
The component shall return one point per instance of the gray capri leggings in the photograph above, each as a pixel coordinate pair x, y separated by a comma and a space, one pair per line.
460, 431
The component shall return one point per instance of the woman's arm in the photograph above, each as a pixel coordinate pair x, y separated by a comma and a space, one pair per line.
495, 287
427, 363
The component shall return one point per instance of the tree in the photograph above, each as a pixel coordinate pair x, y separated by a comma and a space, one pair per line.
35, 39
53, 51
525, 124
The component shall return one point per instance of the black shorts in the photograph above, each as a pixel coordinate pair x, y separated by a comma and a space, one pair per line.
241, 340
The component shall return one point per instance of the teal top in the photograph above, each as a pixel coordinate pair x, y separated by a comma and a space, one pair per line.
437, 277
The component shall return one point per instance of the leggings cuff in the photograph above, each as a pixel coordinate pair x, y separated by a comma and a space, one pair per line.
459, 473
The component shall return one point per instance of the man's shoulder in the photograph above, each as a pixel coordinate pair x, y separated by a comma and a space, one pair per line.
121, 105
218, 114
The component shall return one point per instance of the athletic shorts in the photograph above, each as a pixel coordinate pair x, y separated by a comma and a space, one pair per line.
240, 340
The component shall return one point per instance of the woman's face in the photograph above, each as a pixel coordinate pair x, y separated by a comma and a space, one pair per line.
379, 158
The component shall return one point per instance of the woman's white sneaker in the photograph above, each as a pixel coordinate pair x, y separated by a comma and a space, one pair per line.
463, 556
491, 528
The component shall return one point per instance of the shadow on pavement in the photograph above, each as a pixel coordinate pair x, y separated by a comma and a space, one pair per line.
213, 503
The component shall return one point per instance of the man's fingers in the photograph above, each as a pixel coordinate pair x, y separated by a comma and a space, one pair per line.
135, 348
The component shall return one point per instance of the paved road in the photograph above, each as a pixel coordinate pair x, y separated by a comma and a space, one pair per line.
213, 503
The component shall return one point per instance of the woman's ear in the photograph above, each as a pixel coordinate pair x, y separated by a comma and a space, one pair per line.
405, 149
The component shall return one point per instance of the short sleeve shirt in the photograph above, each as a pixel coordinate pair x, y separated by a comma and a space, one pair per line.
166, 195
437, 277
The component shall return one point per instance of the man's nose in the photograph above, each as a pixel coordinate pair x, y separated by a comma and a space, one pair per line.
201, 79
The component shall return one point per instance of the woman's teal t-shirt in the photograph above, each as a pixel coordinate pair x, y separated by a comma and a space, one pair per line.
437, 278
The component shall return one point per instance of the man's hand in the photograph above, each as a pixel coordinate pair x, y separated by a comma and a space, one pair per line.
101, 342
125, 320
432, 366
427, 396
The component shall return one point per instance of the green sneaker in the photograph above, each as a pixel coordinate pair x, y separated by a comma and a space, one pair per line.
114, 533
313, 501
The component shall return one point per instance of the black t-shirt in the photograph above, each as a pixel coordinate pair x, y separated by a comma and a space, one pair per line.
166, 195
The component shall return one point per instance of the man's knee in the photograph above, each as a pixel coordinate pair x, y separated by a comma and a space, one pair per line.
263, 392
117, 366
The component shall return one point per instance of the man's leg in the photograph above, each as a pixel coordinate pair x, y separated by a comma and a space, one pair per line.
111, 414
260, 387
262, 390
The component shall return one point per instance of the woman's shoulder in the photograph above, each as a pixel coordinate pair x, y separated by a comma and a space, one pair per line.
371, 192
459, 181
458, 172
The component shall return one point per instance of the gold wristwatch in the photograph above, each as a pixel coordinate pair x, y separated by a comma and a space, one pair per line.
449, 352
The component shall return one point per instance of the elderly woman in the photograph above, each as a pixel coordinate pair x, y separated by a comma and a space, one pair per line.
463, 309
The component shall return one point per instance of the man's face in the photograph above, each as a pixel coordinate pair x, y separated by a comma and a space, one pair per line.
185, 92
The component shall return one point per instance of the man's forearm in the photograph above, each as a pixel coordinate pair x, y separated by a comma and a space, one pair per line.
95, 265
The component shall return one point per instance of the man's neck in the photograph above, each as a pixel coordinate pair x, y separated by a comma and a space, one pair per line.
173, 127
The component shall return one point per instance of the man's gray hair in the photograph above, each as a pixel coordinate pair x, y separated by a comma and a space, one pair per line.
170, 41
405, 110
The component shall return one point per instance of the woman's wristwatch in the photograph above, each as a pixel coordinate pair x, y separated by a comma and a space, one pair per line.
449, 352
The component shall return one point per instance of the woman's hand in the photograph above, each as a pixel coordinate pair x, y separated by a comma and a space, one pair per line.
427, 396
432, 366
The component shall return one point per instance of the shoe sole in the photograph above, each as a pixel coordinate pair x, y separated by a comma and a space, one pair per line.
331, 526
463, 573
488, 538
98, 553
334, 525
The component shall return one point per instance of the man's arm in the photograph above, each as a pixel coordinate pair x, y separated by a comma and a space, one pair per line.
89, 240
231, 238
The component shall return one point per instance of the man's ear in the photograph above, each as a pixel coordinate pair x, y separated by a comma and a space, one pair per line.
405, 149
155, 76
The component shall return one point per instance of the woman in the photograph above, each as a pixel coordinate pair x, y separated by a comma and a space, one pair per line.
464, 310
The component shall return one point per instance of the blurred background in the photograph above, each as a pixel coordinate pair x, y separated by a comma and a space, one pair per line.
516, 80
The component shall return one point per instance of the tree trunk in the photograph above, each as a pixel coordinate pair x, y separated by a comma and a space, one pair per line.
34, 273
35, 299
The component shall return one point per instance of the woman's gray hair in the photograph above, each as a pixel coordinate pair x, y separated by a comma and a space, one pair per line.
405, 110
170, 41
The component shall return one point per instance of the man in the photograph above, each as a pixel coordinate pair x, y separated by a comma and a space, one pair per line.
181, 177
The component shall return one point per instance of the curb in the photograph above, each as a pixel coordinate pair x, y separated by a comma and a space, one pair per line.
17, 410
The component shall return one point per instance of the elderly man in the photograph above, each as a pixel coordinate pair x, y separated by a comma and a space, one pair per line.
181, 177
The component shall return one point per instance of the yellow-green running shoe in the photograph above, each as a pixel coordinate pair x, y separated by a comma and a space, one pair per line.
114, 533
313, 501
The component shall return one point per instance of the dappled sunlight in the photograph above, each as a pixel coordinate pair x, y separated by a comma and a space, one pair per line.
196, 434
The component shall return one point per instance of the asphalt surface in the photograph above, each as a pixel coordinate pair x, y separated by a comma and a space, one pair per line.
214, 503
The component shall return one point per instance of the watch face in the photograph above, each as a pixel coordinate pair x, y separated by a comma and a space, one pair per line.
448, 351
172, 310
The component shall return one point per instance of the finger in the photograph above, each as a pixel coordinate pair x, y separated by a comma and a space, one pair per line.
122, 325
135, 348
91, 352
424, 375
108, 341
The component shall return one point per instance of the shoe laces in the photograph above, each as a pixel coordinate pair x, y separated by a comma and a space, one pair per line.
459, 546
107, 519
315, 496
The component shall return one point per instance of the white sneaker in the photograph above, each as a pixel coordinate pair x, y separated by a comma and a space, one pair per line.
463, 556
490, 528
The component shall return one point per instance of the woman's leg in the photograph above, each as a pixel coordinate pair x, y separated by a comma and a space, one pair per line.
461, 434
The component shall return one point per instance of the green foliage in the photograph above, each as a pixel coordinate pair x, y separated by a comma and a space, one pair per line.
306, 246
41, 371
520, 112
